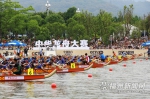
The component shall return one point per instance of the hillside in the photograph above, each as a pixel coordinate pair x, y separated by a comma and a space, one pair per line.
140, 8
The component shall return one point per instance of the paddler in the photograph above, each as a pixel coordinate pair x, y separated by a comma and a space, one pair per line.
17, 72
41, 53
148, 52
4, 64
86, 59
124, 54
18, 66
114, 55
102, 57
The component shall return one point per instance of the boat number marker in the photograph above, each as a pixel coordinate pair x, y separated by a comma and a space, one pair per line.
73, 65
30, 71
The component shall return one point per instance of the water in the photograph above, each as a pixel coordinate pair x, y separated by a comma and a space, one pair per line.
130, 82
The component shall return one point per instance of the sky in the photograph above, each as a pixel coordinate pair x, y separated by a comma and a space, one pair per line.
142, 0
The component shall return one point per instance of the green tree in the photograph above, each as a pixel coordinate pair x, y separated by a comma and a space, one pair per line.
43, 34
87, 21
1, 19
128, 15
52, 18
16, 24
71, 22
136, 34
38, 18
33, 28
78, 32
56, 29
147, 24
70, 13
105, 24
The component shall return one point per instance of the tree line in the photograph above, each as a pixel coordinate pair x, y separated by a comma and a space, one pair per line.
16, 19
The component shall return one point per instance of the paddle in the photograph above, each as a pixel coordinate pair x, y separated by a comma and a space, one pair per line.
43, 69
60, 67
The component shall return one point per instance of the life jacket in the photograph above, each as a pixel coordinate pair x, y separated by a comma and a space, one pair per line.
119, 57
108, 58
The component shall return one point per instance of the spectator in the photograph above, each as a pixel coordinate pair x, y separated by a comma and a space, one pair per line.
26, 51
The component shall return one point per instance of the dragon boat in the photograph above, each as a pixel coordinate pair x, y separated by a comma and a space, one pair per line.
111, 61
26, 77
131, 57
120, 59
32, 71
59, 69
75, 67
72, 68
114, 61
98, 64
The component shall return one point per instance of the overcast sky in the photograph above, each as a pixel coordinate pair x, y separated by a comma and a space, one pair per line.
142, 0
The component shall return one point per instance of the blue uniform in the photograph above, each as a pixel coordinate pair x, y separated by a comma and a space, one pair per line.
40, 66
61, 61
79, 60
102, 56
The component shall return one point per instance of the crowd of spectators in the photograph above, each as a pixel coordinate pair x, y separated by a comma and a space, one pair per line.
124, 43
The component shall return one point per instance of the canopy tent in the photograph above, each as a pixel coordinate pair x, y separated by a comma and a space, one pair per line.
15, 43
146, 43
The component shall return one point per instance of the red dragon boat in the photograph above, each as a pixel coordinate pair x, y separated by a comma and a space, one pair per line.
26, 77
113, 61
131, 57
59, 69
99, 64
72, 68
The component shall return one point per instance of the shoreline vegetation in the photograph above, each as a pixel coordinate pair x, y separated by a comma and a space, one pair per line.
17, 20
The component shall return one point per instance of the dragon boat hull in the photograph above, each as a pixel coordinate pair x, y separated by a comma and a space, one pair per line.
21, 77
67, 69
100, 65
113, 62
34, 71
25, 77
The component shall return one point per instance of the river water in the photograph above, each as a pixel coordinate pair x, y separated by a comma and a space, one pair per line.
123, 82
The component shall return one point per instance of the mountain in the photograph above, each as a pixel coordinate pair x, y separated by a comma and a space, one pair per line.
141, 7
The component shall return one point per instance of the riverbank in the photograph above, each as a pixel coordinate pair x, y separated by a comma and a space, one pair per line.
95, 52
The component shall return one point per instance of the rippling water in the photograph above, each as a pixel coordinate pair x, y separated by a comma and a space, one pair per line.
130, 82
